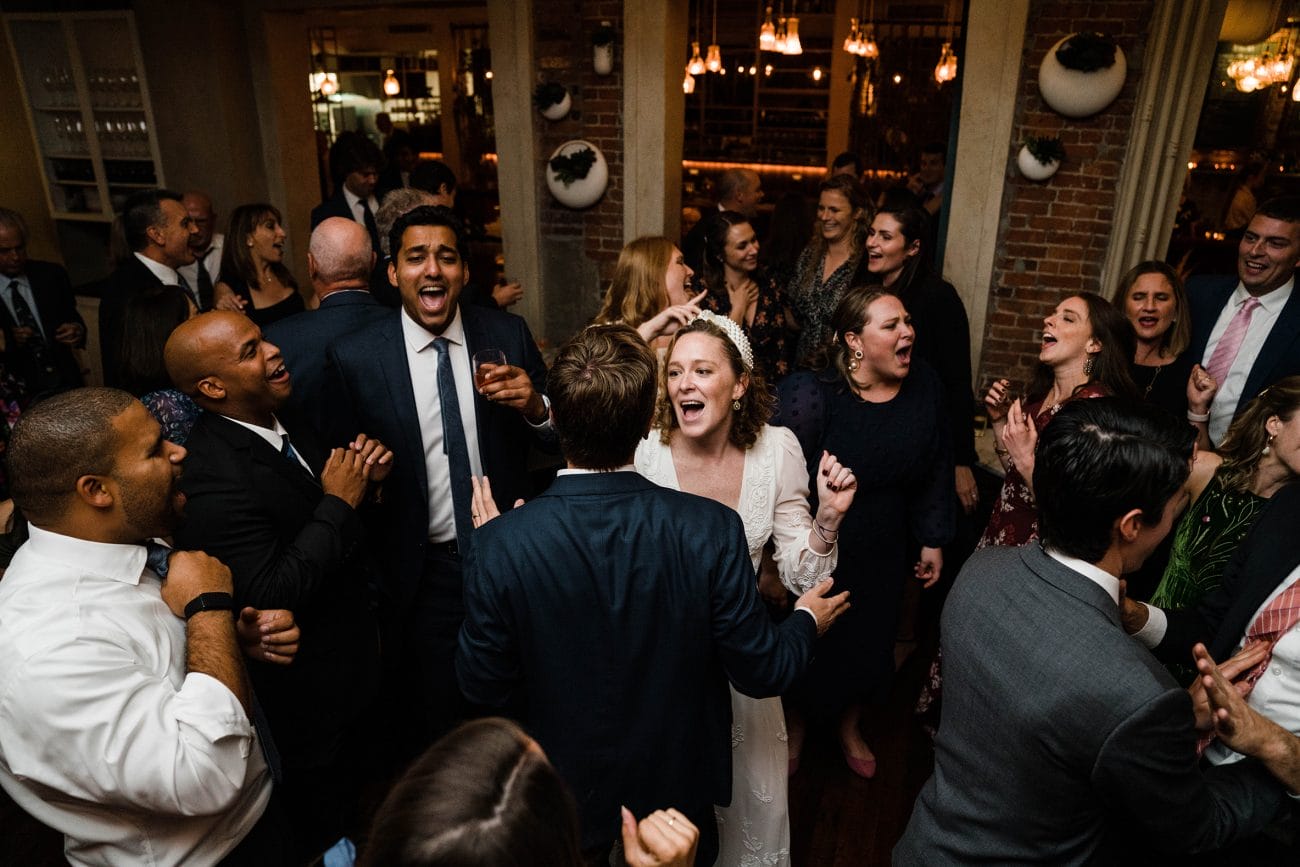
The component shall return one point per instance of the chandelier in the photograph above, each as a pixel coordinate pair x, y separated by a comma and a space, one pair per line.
861, 40
1264, 70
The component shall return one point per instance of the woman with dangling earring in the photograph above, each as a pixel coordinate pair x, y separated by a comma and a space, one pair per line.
883, 412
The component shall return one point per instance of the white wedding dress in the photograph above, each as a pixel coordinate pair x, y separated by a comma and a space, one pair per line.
755, 829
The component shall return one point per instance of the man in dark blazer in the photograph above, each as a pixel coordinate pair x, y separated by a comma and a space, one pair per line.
266, 500
157, 229
385, 379
1266, 262
339, 260
40, 354
1063, 741
355, 162
613, 612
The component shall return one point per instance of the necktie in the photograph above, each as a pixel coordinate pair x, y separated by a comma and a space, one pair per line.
1225, 353
287, 449
205, 282
368, 217
158, 558
189, 290
27, 319
453, 443
1276, 620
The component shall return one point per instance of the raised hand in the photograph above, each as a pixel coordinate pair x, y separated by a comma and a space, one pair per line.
996, 401
665, 838
378, 457
836, 487
1201, 389
345, 475
1019, 437
510, 385
190, 573
667, 321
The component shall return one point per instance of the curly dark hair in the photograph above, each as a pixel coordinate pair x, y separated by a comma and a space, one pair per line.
756, 404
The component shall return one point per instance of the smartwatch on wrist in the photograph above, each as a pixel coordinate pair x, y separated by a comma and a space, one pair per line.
209, 602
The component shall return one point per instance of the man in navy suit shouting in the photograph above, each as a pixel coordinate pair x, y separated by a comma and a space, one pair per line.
611, 612
408, 380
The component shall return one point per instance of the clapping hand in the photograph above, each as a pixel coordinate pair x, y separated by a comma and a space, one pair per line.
377, 456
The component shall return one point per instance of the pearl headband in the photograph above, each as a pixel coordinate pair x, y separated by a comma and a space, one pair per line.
733, 332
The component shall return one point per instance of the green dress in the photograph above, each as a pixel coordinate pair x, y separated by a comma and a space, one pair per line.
1205, 539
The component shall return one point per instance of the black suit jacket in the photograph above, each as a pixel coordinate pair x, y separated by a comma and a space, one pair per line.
130, 277
335, 206
1266, 556
303, 338
55, 305
615, 611
288, 545
1278, 357
369, 383
1061, 736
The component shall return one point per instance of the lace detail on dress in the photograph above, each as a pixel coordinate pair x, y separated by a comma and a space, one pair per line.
756, 495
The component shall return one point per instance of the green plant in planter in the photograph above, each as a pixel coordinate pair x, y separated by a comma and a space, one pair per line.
1046, 149
1087, 52
573, 166
547, 94
603, 35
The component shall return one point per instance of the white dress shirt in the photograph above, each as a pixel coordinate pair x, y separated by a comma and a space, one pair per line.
1261, 323
211, 264
103, 735
1091, 571
1274, 695
25, 290
166, 274
354, 205
275, 435
422, 361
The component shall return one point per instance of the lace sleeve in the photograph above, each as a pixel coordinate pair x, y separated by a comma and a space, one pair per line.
800, 567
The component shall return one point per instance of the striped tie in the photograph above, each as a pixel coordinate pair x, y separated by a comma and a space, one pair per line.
1230, 343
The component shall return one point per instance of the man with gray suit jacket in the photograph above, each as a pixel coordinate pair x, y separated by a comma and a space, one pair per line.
1063, 741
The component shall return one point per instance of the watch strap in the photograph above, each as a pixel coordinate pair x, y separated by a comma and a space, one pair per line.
209, 602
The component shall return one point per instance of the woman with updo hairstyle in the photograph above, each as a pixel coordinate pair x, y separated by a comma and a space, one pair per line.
741, 290
485, 795
825, 268
882, 411
711, 438
651, 290
253, 276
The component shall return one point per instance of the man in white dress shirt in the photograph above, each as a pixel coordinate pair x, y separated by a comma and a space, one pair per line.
1246, 330
124, 704
206, 244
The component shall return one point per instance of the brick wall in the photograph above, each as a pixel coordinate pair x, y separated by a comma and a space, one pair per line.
1053, 235
579, 248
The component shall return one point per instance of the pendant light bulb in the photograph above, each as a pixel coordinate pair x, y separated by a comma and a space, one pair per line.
391, 85
688, 83
792, 43
696, 66
767, 33
714, 61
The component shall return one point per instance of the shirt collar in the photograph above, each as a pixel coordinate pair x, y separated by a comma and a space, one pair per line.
1092, 572
1272, 302
21, 280
419, 338
122, 563
159, 270
353, 199
584, 471
274, 435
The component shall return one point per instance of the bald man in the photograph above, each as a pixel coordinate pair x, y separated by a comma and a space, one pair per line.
339, 262
265, 499
202, 274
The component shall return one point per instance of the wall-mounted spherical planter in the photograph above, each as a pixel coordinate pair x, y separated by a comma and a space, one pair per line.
602, 58
1078, 93
1032, 169
558, 110
577, 174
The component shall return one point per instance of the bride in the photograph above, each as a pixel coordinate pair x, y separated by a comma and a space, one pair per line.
711, 438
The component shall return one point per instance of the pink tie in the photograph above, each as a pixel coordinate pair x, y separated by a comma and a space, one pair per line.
1230, 343
1276, 620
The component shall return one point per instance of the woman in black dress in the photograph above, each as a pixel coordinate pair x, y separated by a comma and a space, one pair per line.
1152, 297
882, 412
253, 277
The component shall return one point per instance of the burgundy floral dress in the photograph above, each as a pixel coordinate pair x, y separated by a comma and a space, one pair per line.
1015, 518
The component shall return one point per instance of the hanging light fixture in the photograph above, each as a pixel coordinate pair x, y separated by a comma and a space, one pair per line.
781, 41
391, 86
329, 84
696, 66
853, 42
767, 32
688, 83
946, 69
714, 60
792, 43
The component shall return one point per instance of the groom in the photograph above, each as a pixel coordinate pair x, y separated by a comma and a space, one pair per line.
612, 612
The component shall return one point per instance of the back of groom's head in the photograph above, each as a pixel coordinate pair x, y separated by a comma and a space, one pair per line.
1098, 460
602, 392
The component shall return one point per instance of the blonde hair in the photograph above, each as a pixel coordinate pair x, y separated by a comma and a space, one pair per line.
639, 289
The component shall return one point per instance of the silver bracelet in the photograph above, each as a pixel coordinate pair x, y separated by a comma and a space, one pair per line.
1198, 417
822, 531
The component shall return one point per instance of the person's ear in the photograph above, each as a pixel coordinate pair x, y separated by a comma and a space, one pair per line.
913, 248
741, 386
1129, 525
212, 388
96, 491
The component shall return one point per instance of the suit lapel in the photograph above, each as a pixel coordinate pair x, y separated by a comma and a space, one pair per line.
262, 454
1286, 330
396, 374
